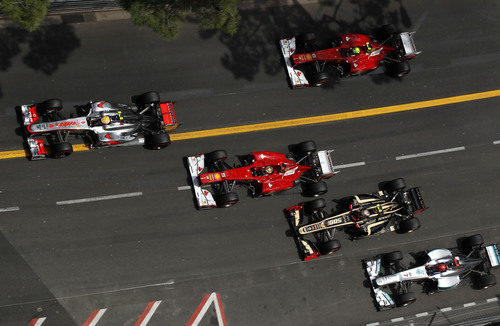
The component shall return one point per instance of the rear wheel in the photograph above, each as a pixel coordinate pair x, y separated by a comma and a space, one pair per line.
315, 189
215, 156
306, 147
52, 105
396, 184
150, 97
314, 205
158, 141
409, 225
486, 281
330, 246
228, 199
406, 299
62, 149
393, 257
399, 69
473, 241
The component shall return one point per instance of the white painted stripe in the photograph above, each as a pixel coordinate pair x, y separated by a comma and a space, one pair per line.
492, 300
9, 209
422, 314
349, 165
496, 142
150, 313
84, 200
40, 321
97, 317
441, 151
470, 304
373, 324
184, 188
446, 309
394, 320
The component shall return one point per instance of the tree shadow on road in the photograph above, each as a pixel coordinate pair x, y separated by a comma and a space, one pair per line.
255, 45
48, 47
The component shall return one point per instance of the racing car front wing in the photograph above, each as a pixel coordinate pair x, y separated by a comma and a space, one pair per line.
383, 299
297, 77
204, 198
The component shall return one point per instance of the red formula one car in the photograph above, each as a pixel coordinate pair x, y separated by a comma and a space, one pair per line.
262, 173
310, 64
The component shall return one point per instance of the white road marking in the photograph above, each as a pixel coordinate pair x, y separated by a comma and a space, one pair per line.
492, 300
94, 318
496, 142
470, 304
37, 321
441, 151
148, 313
349, 165
184, 188
84, 200
422, 314
446, 309
394, 320
9, 209
373, 324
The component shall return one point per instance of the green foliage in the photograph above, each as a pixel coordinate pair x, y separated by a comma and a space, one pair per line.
27, 13
164, 16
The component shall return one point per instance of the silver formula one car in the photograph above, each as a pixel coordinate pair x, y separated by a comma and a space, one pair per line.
102, 123
443, 269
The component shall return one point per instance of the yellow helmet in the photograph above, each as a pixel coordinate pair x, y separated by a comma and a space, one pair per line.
105, 120
356, 50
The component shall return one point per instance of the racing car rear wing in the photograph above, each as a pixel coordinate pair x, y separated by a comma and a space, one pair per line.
408, 45
204, 198
493, 254
297, 77
168, 115
326, 163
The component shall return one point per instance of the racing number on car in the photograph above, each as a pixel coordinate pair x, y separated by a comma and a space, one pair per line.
334, 221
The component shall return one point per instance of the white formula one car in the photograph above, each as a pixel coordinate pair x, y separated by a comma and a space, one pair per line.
443, 269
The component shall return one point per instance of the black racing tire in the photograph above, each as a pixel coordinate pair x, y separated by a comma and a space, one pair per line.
486, 281
396, 184
330, 247
399, 69
61, 150
409, 225
473, 241
158, 141
315, 189
314, 205
321, 79
306, 147
51, 105
227, 199
405, 299
392, 257
218, 155
150, 97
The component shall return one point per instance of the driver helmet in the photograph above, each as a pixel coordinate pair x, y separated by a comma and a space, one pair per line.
368, 47
365, 213
268, 169
105, 120
442, 267
356, 50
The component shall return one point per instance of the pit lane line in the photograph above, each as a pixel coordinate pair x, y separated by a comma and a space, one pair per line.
496, 142
304, 121
440, 151
9, 209
84, 200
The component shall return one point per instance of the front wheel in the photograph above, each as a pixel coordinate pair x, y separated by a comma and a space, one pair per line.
51, 105
405, 299
330, 247
393, 257
61, 150
409, 225
315, 189
486, 281
228, 199
215, 156
314, 205
150, 97
158, 141
305, 148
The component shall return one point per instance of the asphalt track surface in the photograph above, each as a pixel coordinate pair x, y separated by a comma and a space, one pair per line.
64, 260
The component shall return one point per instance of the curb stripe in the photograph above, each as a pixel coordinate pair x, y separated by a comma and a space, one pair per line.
148, 313
394, 320
37, 321
94, 317
492, 300
303, 121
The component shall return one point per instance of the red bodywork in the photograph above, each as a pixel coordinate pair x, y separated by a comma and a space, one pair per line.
284, 172
367, 59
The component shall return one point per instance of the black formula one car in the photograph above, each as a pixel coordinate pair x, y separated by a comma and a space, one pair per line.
441, 269
390, 209
102, 123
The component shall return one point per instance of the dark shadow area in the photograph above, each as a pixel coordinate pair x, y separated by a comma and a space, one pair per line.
255, 46
24, 295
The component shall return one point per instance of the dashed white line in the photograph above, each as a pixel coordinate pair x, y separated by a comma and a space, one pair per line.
184, 188
9, 209
394, 320
496, 142
422, 314
470, 304
492, 300
446, 309
373, 324
441, 151
350, 165
84, 200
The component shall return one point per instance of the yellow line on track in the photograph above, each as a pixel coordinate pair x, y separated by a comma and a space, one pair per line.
304, 121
